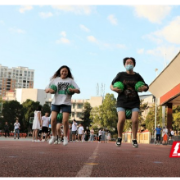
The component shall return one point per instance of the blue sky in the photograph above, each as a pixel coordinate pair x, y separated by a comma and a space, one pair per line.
91, 39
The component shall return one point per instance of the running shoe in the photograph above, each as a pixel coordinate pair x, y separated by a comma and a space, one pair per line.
134, 143
51, 141
118, 141
65, 141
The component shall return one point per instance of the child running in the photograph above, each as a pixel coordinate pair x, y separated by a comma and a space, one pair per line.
59, 86
128, 98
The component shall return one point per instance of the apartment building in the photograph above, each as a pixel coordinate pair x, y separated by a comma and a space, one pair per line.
77, 106
15, 77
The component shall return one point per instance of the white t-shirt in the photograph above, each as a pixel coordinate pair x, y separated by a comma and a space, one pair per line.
74, 126
16, 125
172, 133
45, 121
100, 132
165, 131
60, 87
80, 130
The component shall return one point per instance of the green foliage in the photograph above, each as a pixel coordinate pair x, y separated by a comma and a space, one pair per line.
106, 114
29, 107
176, 121
86, 114
11, 111
46, 108
150, 118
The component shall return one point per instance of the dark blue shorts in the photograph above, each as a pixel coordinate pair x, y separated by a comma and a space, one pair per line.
63, 108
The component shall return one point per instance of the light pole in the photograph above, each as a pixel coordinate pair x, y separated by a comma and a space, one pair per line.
155, 117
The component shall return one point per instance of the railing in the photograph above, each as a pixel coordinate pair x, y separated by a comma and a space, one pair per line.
12, 134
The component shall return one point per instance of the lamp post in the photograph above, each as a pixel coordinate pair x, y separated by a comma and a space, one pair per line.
155, 117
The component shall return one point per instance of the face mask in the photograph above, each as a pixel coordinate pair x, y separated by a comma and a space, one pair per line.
129, 67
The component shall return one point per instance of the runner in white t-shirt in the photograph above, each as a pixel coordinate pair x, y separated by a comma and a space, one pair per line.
63, 86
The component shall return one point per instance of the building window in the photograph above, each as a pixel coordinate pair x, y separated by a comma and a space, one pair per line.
72, 114
79, 115
74, 105
79, 106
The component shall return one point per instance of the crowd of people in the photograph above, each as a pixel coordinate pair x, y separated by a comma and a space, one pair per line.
76, 132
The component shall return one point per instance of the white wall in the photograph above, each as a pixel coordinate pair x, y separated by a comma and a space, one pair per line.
34, 94
42, 97
19, 95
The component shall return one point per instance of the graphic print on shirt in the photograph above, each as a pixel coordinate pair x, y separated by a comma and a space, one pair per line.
129, 91
62, 87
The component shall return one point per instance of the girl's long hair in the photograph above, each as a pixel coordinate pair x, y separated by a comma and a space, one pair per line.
57, 73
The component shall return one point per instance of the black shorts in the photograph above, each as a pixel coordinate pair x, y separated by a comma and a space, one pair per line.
45, 129
158, 137
64, 108
73, 132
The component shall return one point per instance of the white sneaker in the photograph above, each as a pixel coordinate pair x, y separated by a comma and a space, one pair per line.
59, 141
55, 142
51, 140
65, 141
37, 140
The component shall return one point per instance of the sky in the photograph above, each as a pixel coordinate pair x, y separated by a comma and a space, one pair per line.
92, 39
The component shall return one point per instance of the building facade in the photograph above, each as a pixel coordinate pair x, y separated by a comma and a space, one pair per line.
21, 95
16, 77
77, 106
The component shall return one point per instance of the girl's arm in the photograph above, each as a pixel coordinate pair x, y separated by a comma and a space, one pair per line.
49, 90
115, 89
74, 90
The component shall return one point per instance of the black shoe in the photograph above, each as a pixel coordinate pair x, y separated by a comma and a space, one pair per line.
134, 143
118, 141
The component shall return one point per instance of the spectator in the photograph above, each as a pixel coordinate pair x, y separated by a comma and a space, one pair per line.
165, 135
171, 134
36, 124
100, 134
70, 131
92, 135
109, 136
80, 132
6, 129
158, 134
16, 128
87, 134
74, 129
103, 135
45, 124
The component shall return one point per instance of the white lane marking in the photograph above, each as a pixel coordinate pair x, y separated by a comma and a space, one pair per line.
87, 168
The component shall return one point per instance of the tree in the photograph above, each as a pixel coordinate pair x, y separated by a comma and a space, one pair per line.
1, 115
86, 114
150, 118
11, 111
29, 107
105, 115
46, 108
